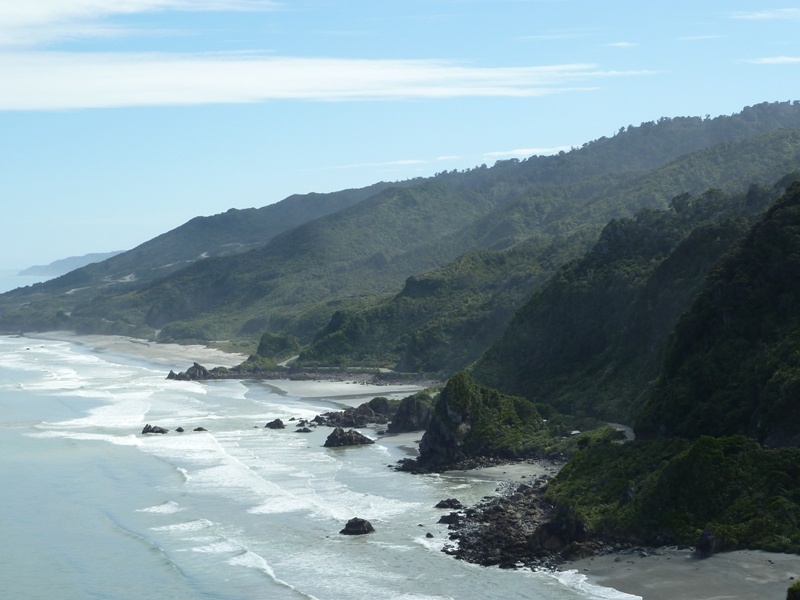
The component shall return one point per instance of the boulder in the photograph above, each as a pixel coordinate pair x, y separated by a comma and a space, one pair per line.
357, 526
340, 437
154, 429
276, 424
706, 545
200, 429
179, 430
451, 503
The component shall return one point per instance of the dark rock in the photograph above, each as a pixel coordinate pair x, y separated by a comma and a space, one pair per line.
452, 519
200, 429
706, 545
154, 429
276, 424
429, 535
303, 430
179, 430
449, 503
357, 526
413, 414
340, 437
193, 373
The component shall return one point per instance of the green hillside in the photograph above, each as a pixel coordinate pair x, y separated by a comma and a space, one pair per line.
733, 365
444, 319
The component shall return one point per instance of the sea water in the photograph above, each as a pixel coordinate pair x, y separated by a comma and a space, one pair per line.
91, 508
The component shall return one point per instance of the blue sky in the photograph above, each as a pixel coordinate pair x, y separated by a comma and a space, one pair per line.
122, 119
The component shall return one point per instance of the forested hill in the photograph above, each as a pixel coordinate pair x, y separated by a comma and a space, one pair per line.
733, 365
232, 232
315, 255
444, 319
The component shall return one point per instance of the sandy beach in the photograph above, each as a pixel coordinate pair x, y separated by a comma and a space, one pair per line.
672, 574
172, 356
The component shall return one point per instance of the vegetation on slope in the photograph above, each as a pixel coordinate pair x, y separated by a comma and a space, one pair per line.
733, 365
670, 491
594, 335
443, 319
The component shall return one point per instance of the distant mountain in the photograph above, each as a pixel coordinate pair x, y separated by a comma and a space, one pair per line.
289, 268
65, 265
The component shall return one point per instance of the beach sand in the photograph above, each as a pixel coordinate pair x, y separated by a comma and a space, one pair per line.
674, 574
172, 356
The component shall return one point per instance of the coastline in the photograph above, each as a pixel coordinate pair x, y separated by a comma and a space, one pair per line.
170, 355
661, 574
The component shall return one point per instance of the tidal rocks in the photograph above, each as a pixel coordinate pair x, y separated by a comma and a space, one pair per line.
451, 503
200, 429
193, 373
276, 424
340, 437
154, 429
357, 526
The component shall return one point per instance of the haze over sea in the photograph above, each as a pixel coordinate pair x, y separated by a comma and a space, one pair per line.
91, 508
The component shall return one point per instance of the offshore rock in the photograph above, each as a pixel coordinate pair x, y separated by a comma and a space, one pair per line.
194, 373
276, 424
357, 526
340, 437
154, 429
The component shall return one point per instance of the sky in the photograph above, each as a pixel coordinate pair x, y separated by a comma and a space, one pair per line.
122, 119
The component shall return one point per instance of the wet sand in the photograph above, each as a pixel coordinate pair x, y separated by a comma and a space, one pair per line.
676, 574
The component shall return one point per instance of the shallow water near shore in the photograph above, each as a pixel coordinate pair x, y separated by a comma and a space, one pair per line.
91, 508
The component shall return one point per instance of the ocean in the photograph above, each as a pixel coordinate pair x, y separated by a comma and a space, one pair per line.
92, 509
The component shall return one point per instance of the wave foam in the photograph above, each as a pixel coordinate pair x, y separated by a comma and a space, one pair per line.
580, 583
167, 508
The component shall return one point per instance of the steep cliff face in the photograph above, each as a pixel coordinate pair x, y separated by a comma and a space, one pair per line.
733, 364
470, 420
413, 414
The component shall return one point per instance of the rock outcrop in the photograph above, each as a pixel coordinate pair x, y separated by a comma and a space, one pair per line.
194, 373
339, 437
276, 424
413, 414
357, 526
154, 429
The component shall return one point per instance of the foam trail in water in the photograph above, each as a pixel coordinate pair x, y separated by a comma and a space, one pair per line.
580, 583
252, 560
167, 508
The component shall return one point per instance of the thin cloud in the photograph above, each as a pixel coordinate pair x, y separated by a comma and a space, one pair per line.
621, 45
33, 22
52, 80
774, 60
778, 14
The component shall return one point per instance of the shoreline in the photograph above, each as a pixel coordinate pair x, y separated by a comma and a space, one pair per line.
669, 573
156, 352
657, 574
